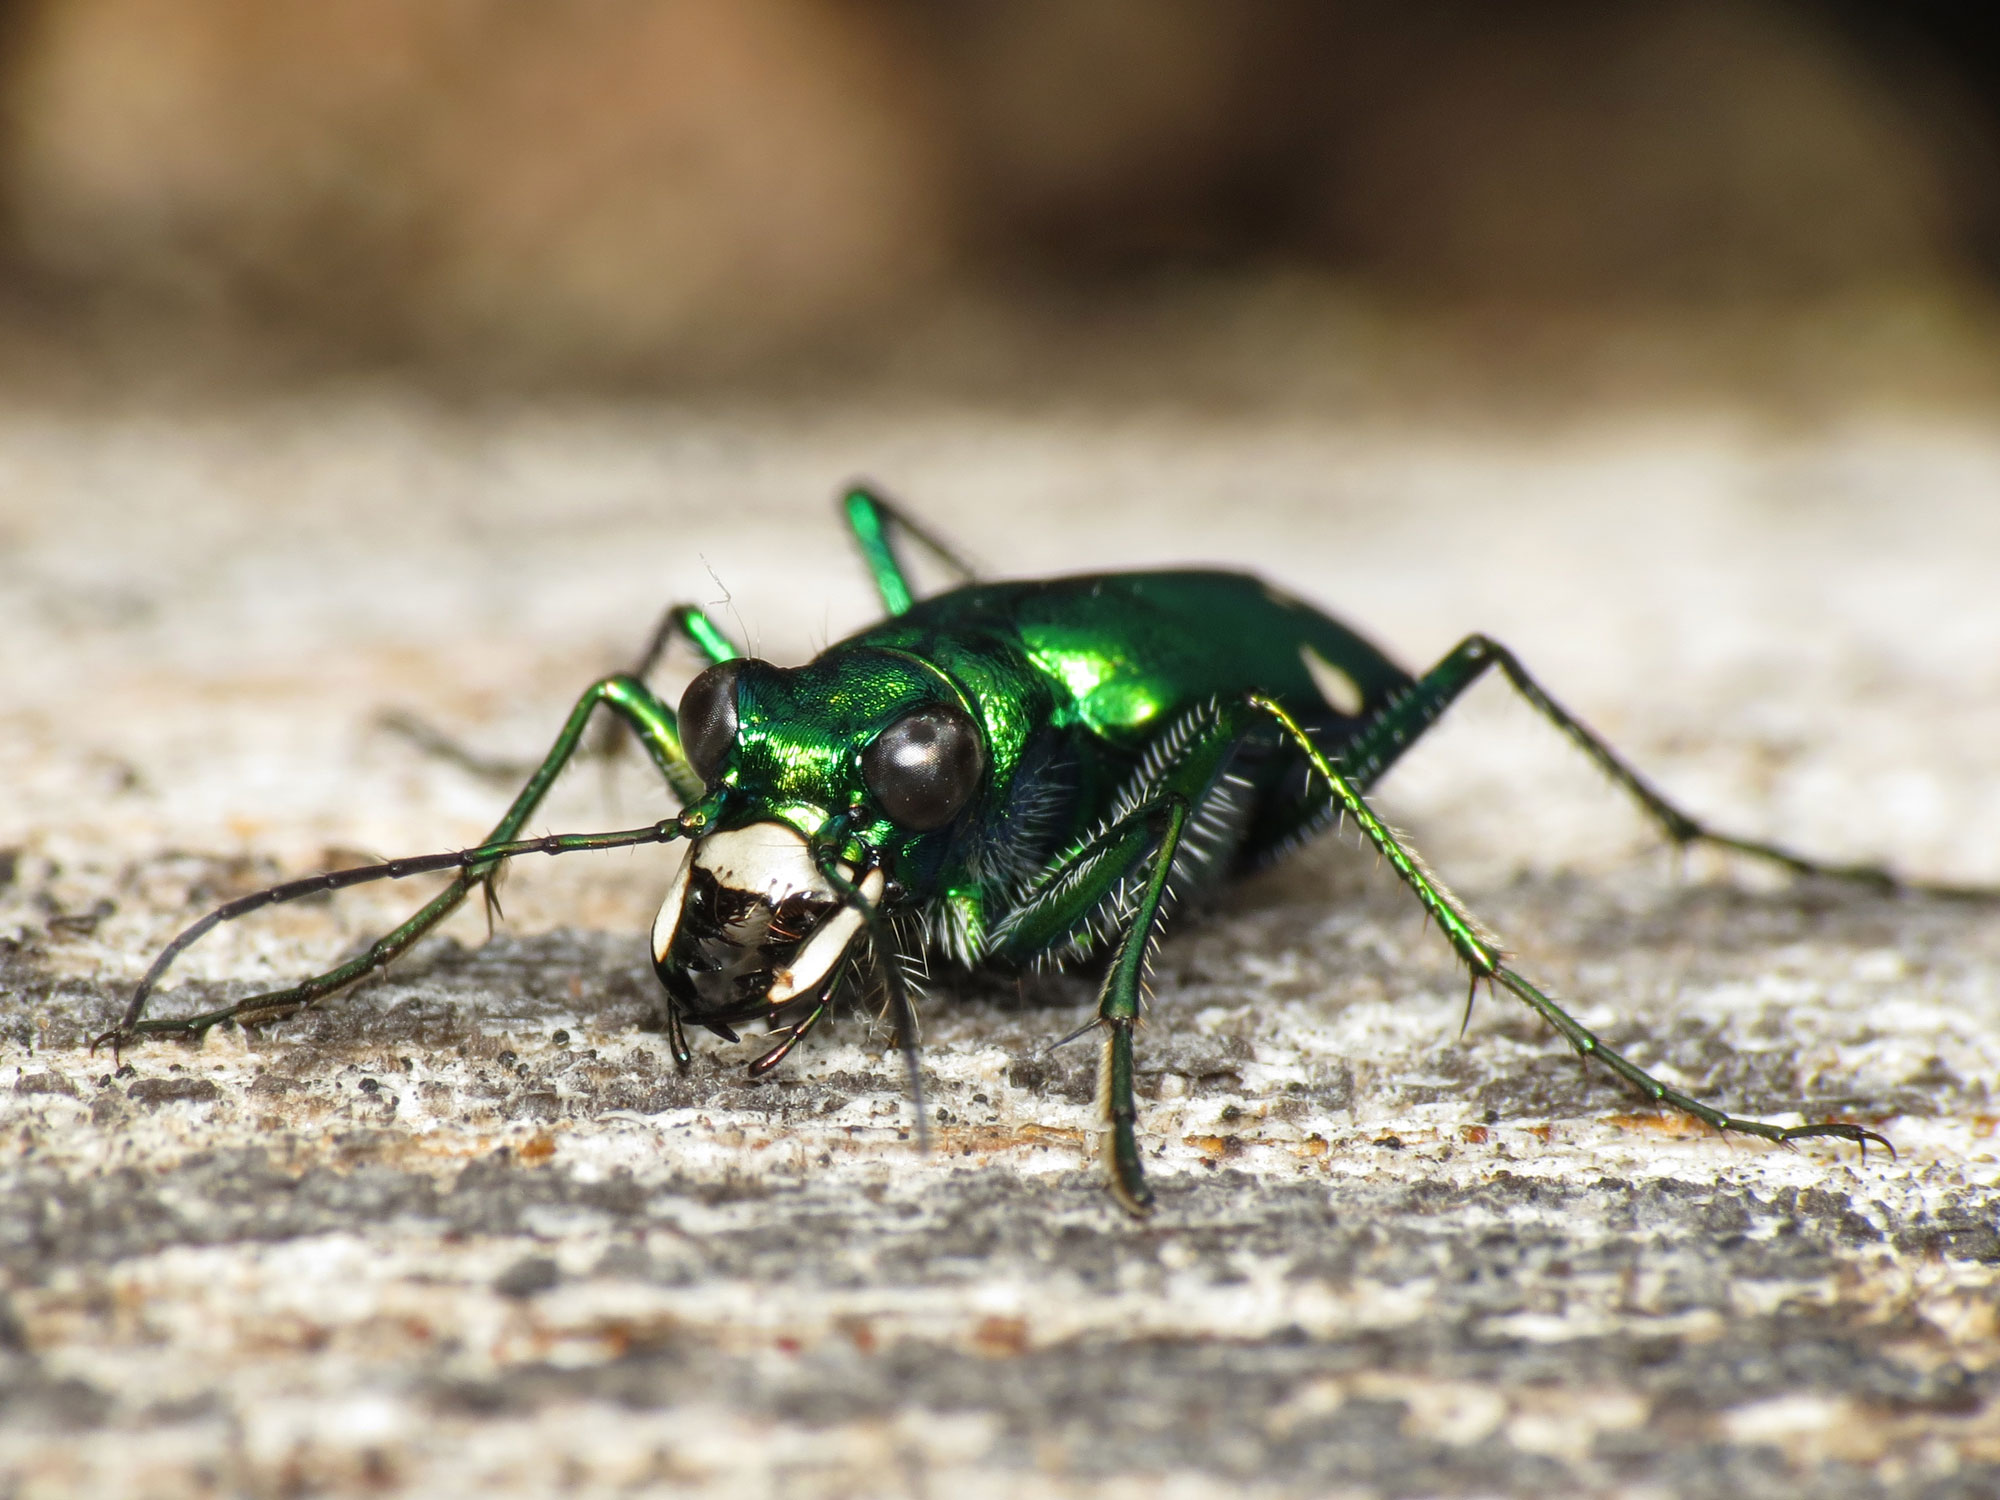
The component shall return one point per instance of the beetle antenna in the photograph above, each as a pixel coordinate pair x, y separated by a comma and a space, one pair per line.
664, 831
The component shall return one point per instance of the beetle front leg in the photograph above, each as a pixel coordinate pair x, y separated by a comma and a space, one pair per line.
681, 621
1081, 892
1070, 895
1118, 1011
687, 622
651, 720
690, 622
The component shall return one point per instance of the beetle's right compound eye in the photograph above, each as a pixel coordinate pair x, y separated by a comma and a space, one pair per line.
924, 767
708, 718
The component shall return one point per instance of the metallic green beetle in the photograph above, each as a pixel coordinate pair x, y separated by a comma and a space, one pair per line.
1007, 774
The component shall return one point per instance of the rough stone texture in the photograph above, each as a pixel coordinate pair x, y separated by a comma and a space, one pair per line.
466, 1230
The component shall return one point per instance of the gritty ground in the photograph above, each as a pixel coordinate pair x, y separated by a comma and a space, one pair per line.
467, 1231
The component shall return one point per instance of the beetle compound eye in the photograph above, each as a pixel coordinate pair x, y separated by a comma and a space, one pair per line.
923, 768
708, 718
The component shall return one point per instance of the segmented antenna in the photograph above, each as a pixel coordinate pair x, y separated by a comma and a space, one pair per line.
468, 860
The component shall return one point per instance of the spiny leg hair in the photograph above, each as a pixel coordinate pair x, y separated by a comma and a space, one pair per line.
1486, 961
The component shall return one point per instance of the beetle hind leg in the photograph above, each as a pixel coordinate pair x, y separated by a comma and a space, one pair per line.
1483, 956
1383, 740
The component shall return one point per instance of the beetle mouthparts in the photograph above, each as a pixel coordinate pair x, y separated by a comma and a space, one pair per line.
750, 925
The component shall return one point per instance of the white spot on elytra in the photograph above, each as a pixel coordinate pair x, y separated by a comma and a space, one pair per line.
1342, 695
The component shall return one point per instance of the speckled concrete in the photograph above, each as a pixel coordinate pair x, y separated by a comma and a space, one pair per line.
466, 1231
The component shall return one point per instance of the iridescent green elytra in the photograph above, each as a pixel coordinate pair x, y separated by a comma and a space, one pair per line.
1003, 774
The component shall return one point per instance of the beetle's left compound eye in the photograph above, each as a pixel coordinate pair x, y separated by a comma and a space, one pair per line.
708, 718
923, 768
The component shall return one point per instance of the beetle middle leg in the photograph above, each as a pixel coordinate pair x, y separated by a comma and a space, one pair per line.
1125, 874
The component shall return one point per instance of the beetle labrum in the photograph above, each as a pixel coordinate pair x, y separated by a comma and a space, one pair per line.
1004, 773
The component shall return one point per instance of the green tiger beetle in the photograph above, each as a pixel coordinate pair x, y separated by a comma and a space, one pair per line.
1006, 774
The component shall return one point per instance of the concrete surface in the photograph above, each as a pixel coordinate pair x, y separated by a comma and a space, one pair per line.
465, 1231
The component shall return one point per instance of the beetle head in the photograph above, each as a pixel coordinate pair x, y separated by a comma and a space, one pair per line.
823, 782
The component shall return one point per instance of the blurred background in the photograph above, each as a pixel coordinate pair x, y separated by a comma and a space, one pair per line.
1263, 195
412, 355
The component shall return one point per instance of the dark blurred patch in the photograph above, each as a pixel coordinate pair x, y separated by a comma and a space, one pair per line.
684, 188
1548, 150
